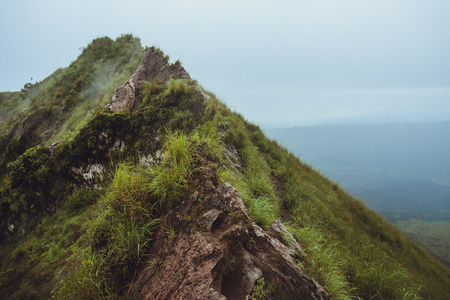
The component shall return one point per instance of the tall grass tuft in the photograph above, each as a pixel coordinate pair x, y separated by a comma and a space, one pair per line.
382, 281
181, 159
127, 195
324, 262
119, 235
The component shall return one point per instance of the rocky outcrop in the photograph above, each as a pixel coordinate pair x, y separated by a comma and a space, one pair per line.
280, 233
208, 248
153, 66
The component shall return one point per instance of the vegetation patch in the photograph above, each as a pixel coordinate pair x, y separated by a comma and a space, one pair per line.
261, 290
95, 235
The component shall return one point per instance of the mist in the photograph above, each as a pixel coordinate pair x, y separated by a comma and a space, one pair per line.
401, 170
279, 64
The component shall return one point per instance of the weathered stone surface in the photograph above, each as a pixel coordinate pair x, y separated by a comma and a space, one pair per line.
232, 156
209, 218
278, 231
52, 148
185, 272
151, 67
219, 253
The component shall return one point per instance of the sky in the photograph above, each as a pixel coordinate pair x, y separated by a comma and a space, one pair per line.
278, 63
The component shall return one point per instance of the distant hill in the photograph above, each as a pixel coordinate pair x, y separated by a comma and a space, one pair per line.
400, 169
413, 150
406, 158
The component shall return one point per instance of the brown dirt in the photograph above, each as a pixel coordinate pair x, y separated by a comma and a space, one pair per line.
280, 191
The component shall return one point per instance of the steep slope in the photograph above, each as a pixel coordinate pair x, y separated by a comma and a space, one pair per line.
61, 104
49, 111
167, 194
399, 169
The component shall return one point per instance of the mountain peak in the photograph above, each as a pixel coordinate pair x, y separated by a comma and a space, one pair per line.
154, 66
162, 192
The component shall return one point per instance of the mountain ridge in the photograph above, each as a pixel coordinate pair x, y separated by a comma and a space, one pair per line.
177, 167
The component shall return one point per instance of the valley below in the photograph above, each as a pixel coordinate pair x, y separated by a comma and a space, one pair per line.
399, 170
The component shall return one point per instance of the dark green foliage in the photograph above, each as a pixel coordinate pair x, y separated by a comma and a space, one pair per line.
120, 235
28, 269
81, 199
30, 169
106, 138
34, 183
177, 105
95, 139
26, 186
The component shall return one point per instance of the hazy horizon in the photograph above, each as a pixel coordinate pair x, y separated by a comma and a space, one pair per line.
400, 170
362, 123
280, 64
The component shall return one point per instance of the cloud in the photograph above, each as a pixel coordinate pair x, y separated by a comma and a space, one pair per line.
288, 106
290, 60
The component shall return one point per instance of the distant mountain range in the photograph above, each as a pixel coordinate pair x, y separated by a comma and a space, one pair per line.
402, 170
413, 150
401, 166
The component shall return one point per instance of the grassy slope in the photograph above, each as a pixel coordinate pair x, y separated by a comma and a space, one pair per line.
350, 249
60, 105
407, 190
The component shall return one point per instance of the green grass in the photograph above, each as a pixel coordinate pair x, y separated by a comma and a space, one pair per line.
92, 246
60, 105
128, 215
118, 236
30, 267
323, 262
180, 162
434, 235
259, 195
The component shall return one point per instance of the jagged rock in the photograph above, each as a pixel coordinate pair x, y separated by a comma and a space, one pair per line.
52, 148
220, 253
152, 66
209, 218
232, 156
280, 232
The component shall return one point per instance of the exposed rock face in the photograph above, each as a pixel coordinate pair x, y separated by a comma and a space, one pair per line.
220, 253
207, 247
152, 66
279, 232
185, 272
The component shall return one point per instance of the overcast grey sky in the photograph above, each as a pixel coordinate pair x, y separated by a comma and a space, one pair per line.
279, 63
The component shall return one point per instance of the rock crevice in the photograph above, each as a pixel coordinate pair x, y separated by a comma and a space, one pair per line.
221, 254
